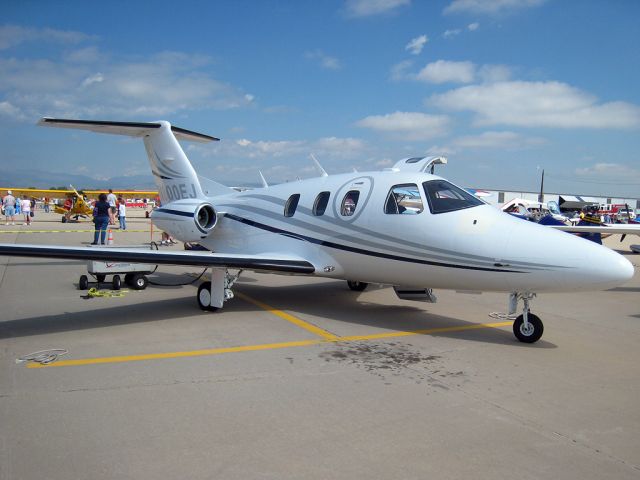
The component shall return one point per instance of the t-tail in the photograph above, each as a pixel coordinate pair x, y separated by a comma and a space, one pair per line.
185, 211
173, 173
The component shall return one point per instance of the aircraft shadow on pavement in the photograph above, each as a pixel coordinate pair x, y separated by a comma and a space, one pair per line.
624, 289
329, 300
334, 301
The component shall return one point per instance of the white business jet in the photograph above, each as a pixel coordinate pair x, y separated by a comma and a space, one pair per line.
402, 227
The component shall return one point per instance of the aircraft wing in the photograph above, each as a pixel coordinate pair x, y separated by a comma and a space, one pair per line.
133, 193
271, 263
620, 228
30, 192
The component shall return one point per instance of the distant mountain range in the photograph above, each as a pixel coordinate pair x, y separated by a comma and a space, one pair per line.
39, 179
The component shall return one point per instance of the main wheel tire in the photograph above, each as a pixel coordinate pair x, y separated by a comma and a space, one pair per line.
139, 282
83, 284
204, 297
116, 283
531, 334
357, 286
100, 277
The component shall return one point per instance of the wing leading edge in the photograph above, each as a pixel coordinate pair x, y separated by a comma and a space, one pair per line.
271, 263
620, 228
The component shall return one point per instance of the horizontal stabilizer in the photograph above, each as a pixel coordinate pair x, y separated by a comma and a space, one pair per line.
132, 129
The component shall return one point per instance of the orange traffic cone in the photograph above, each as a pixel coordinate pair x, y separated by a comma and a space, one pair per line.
110, 237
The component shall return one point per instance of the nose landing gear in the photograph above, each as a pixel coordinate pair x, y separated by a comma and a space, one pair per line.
527, 328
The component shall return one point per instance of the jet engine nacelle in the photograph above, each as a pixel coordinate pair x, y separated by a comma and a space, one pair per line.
187, 219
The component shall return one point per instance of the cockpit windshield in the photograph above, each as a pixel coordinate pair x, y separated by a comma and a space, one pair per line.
445, 197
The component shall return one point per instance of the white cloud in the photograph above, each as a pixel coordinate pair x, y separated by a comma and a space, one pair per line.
400, 71
490, 7
416, 45
325, 61
509, 140
437, 150
367, 8
13, 35
96, 78
328, 147
11, 111
494, 73
538, 104
451, 33
410, 126
472, 27
164, 83
443, 71
609, 170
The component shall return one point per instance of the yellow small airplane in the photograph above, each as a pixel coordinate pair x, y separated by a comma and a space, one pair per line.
76, 205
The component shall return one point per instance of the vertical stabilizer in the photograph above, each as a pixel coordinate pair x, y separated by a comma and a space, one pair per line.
174, 175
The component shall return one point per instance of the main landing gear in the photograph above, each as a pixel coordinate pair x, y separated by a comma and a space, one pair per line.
357, 286
212, 294
527, 328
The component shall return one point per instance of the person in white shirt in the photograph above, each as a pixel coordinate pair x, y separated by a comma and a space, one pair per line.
26, 209
122, 213
9, 203
111, 200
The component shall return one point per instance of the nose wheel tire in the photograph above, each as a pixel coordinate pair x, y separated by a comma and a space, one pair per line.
531, 332
204, 297
357, 286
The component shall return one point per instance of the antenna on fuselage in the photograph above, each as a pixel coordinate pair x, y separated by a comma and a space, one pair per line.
323, 172
264, 180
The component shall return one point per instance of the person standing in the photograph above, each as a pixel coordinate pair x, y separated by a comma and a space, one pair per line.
111, 199
18, 207
122, 214
101, 216
9, 203
26, 210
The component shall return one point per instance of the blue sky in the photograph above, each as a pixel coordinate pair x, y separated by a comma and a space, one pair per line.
501, 87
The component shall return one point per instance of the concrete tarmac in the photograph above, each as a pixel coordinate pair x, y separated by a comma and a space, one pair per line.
302, 378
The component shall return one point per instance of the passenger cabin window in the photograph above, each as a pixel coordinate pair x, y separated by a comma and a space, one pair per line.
320, 205
349, 203
291, 205
404, 199
445, 197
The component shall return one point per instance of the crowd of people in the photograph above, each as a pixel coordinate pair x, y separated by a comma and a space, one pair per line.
14, 207
106, 210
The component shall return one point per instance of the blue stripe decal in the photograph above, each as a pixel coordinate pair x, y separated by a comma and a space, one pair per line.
175, 212
361, 251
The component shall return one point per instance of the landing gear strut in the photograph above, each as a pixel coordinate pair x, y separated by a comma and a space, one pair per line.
527, 328
212, 295
357, 286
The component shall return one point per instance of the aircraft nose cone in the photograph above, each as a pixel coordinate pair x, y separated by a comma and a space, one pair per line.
610, 268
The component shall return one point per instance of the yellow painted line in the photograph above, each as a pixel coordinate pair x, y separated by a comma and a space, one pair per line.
192, 353
289, 318
254, 348
429, 331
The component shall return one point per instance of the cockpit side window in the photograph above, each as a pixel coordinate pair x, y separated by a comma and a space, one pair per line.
404, 199
292, 204
349, 203
445, 197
